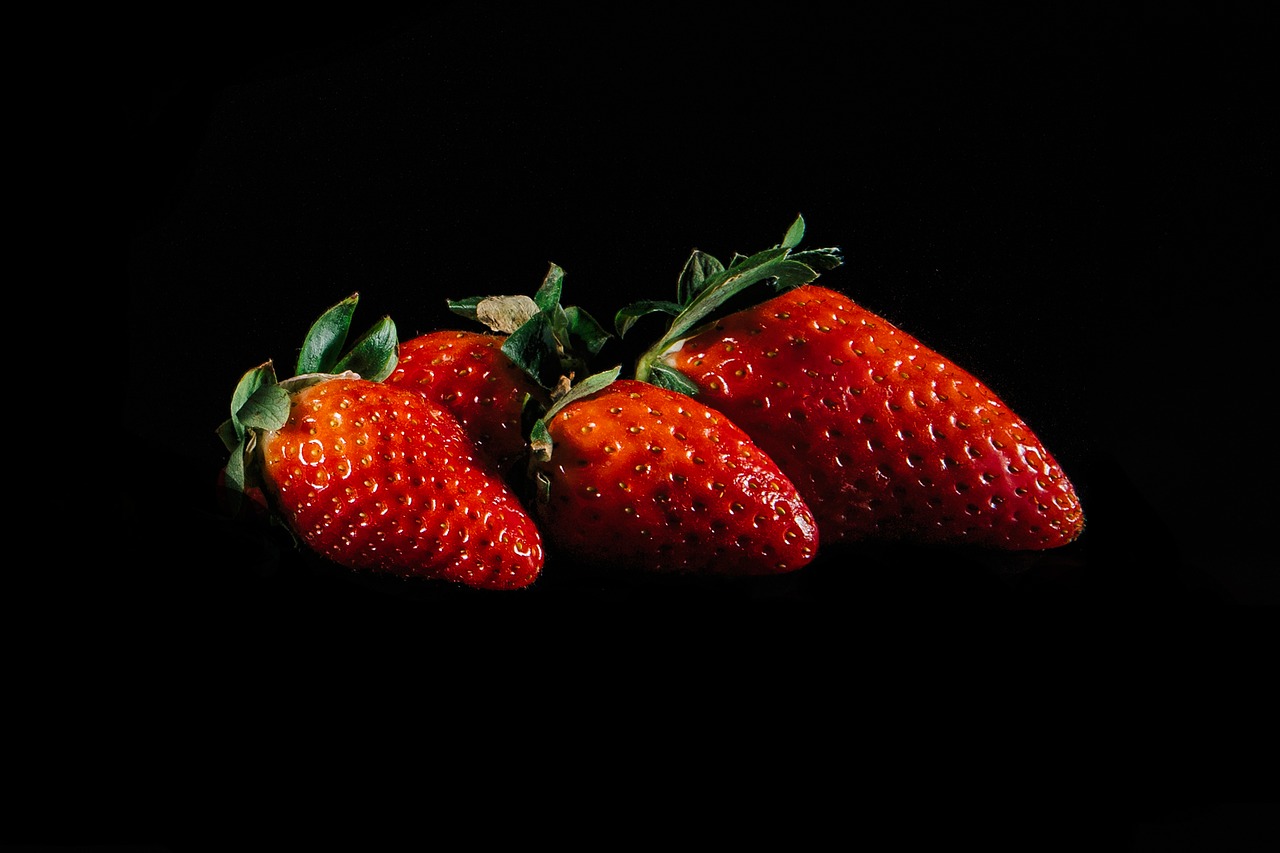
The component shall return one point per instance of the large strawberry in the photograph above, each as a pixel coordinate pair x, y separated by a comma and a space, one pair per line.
373, 476
496, 382
639, 477
885, 438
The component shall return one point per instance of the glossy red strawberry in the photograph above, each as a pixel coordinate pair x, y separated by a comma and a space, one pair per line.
467, 373
644, 478
376, 477
885, 437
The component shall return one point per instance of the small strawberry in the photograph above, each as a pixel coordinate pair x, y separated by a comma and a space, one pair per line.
644, 478
467, 373
491, 380
885, 438
374, 476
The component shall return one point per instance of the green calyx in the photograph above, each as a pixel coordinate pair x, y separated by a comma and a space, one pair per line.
549, 342
705, 284
540, 442
261, 401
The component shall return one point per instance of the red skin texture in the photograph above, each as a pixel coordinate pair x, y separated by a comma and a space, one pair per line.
376, 478
885, 438
468, 374
647, 479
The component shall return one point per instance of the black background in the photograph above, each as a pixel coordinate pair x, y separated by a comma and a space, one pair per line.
1064, 202
1069, 202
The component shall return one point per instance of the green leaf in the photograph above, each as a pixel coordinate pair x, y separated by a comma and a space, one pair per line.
548, 294
268, 408
627, 317
821, 260
374, 355
697, 272
794, 234
672, 380
226, 432
540, 441
466, 307
532, 348
583, 327
235, 477
263, 374
724, 286
585, 388
775, 265
323, 344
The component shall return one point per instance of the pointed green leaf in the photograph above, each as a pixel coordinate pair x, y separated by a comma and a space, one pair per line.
465, 307
234, 478
548, 294
374, 355
697, 271
532, 348
627, 317
794, 234
822, 260
774, 265
585, 388
671, 379
263, 374
791, 273
584, 328
326, 337
227, 434
540, 441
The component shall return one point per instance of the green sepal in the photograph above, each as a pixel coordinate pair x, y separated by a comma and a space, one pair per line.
374, 355
548, 295
586, 329
268, 409
466, 307
698, 271
227, 434
234, 477
533, 349
705, 285
544, 339
249, 384
627, 317
539, 437
540, 442
672, 380
323, 344
794, 234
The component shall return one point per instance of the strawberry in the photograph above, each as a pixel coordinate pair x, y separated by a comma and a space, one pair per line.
375, 477
644, 478
885, 438
467, 373
489, 380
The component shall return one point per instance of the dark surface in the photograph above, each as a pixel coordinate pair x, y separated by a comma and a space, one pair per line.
1066, 203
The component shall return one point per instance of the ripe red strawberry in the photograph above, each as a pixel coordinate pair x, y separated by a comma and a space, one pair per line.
885, 438
373, 476
644, 478
489, 380
467, 373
